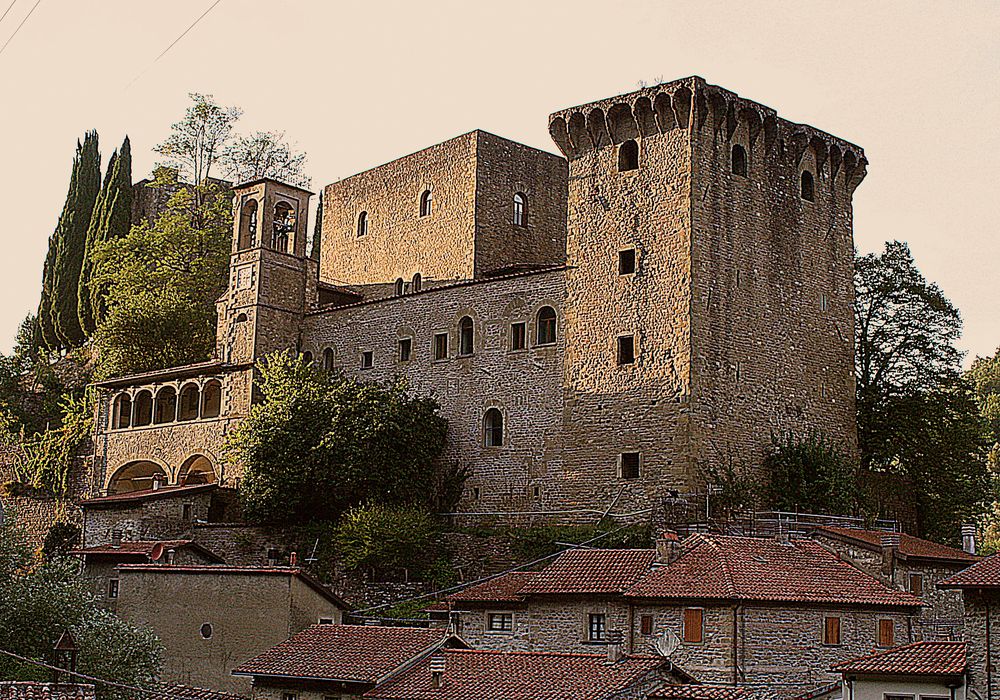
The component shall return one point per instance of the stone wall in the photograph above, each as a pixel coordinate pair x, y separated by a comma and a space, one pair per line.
982, 621
157, 519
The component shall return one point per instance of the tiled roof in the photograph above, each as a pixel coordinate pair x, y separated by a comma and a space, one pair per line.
931, 658
984, 574
758, 569
591, 571
353, 653
694, 691
909, 546
189, 691
502, 589
496, 675
146, 495
146, 549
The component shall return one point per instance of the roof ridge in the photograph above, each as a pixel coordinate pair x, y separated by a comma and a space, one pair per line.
560, 654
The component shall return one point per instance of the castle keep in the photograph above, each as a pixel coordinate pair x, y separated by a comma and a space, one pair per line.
598, 328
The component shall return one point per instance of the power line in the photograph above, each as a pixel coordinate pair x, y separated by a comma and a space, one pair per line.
30, 12
7, 11
174, 43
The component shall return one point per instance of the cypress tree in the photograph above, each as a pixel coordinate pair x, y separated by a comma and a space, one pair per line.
69, 241
317, 242
111, 219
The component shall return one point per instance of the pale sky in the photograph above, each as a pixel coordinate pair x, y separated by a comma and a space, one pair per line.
358, 84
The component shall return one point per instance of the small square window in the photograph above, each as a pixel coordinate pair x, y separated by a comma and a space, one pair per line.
500, 622
626, 350
626, 262
441, 346
596, 627
630, 465
405, 345
113, 585
646, 625
536, 491
518, 336
367, 359
326, 620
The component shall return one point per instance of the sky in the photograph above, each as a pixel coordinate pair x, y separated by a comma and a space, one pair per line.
358, 84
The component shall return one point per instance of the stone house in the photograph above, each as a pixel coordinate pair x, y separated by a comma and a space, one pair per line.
35, 690
980, 588
672, 289
910, 564
210, 619
736, 610
929, 670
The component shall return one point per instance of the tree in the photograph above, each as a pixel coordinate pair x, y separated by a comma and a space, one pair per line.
810, 474
318, 444
57, 311
111, 219
163, 280
389, 541
316, 251
199, 139
265, 154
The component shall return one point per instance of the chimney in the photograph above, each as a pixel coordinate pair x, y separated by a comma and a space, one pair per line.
293, 559
170, 556
272, 556
116, 539
890, 545
437, 670
614, 646
969, 538
668, 547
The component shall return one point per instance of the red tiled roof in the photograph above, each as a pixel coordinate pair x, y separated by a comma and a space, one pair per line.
146, 495
693, 691
352, 653
757, 569
143, 549
189, 691
502, 589
496, 675
591, 571
909, 546
985, 574
931, 658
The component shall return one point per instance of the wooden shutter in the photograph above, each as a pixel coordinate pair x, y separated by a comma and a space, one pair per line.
693, 625
885, 633
916, 584
646, 625
831, 631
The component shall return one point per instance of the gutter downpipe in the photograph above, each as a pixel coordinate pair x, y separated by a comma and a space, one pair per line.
989, 655
736, 654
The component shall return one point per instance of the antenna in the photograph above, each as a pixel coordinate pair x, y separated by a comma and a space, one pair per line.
312, 557
666, 643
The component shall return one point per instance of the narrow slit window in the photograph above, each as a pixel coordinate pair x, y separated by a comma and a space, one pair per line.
646, 625
738, 160
426, 203
628, 156
466, 336
626, 350
520, 210
362, 224
808, 189
400, 286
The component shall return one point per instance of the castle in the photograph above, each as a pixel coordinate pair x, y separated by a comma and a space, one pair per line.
598, 328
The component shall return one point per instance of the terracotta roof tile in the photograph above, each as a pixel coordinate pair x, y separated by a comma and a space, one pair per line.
144, 547
591, 571
985, 574
909, 546
758, 569
189, 691
930, 658
502, 589
495, 675
146, 495
693, 691
352, 653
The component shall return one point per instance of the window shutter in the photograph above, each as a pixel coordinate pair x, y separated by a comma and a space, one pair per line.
693, 625
885, 633
832, 632
646, 625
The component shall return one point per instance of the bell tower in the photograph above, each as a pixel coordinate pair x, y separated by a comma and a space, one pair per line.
270, 284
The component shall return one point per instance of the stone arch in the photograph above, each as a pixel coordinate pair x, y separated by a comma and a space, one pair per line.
578, 134
283, 225
211, 399
493, 428
621, 123
142, 408
400, 287
753, 123
189, 402
137, 475
597, 126
628, 156
427, 202
560, 135
682, 107
165, 405
770, 131
248, 224
644, 117
197, 469
665, 119
121, 411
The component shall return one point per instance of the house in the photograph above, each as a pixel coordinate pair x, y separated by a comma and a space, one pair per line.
188, 692
339, 661
36, 690
210, 619
734, 610
928, 670
910, 564
980, 588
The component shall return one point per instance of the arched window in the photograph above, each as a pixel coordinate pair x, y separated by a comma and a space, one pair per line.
362, 224
283, 226
248, 224
307, 357
520, 210
211, 399
546, 333
738, 160
165, 408
400, 286
142, 408
122, 411
415, 287
628, 156
190, 400
328, 359
493, 428
808, 191
426, 203
465, 336
136, 476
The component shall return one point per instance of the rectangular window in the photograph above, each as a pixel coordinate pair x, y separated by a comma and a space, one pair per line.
405, 345
693, 625
367, 359
831, 630
917, 584
886, 633
626, 350
441, 346
596, 627
897, 696
326, 621
646, 625
626, 262
518, 336
500, 622
629, 465
113, 588
186, 511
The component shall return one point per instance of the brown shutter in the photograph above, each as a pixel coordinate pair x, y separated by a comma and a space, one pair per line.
646, 625
831, 633
693, 625
916, 584
885, 633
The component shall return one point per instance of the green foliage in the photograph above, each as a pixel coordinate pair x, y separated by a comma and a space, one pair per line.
61, 538
162, 282
736, 488
40, 601
318, 444
809, 474
535, 542
111, 219
388, 541
316, 248
198, 140
264, 154
46, 460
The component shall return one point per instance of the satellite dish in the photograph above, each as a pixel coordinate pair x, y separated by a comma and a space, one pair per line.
666, 643
156, 552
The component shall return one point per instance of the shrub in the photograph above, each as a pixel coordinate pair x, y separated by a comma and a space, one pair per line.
388, 541
809, 474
